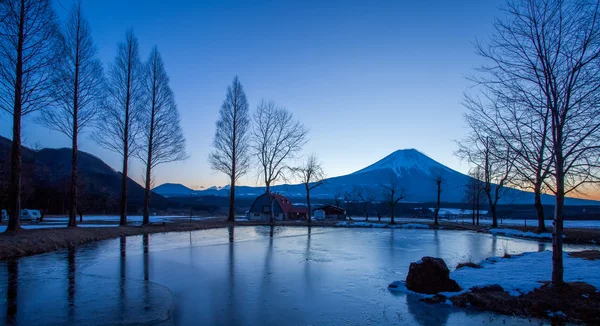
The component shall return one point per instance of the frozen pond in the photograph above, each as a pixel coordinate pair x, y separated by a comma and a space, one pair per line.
245, 276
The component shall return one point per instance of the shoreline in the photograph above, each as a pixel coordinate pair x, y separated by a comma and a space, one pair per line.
36, 241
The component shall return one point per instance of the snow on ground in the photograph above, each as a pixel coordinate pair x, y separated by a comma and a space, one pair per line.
382, 225
46, 226
409, 226
519, 233
520, 274
61, 221
579, 224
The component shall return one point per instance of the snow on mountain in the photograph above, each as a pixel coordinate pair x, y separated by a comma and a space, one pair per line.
404, 160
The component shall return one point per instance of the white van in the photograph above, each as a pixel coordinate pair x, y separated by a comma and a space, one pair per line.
30, 214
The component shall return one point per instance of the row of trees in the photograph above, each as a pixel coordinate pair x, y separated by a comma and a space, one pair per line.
55, 70
534, 113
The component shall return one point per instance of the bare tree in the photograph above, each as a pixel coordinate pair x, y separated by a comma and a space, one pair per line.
162, 137
277, 137
496, 161
524, 128
392, 194
380, 210
438, 180
548, 52
79, 92
475, 192
338, 197
311, 175
231, 142
29, 50
366, 198
119, 126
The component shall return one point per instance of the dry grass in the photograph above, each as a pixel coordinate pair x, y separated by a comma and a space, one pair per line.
36, 241
579, 302
586, 254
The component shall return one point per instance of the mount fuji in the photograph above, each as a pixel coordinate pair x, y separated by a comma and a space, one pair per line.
415, 172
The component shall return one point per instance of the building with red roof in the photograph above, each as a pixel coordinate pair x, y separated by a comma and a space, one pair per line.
282, 207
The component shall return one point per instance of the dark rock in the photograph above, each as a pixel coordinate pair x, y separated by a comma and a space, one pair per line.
487, 289
430, 275
468, 264
460, 300
437, 298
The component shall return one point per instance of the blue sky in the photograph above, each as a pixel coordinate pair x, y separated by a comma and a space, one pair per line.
366, 77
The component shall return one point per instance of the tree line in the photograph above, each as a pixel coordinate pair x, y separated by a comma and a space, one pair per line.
533, 113
54, 70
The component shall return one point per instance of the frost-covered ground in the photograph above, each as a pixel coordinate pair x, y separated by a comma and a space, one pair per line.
581, 224
99, 221
242, 276
519, 233
520, 274
586, 224
381, 225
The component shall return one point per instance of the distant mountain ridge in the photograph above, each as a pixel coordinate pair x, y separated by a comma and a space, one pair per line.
415, 172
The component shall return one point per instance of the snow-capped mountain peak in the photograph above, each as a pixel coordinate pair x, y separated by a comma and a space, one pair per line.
405, 160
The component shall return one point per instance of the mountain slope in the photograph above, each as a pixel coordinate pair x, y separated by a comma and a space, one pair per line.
415, 172
47, 176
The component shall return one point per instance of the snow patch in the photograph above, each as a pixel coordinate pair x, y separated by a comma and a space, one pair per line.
519, 274
522, 274
519, 233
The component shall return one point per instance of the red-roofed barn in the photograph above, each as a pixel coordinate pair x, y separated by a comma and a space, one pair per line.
282, 207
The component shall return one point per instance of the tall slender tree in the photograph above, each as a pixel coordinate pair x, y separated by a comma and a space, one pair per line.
79, 92
163, 139
29, 52
231, 153
311, 175
277, 137
119, 127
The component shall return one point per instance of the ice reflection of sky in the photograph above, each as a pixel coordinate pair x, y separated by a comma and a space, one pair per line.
243, 276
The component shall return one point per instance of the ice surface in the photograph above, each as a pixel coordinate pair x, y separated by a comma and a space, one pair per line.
254, 276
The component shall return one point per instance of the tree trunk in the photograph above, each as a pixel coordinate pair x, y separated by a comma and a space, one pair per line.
272, 204
146, 217
494, 217
308, 216
392, 215
557, 242
231, 216
74, 177
123, 203
80, 217
74, 164
437, 209
539, 208
14, 220
478, 208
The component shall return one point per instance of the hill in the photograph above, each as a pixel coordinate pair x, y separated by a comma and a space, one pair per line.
46, 177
